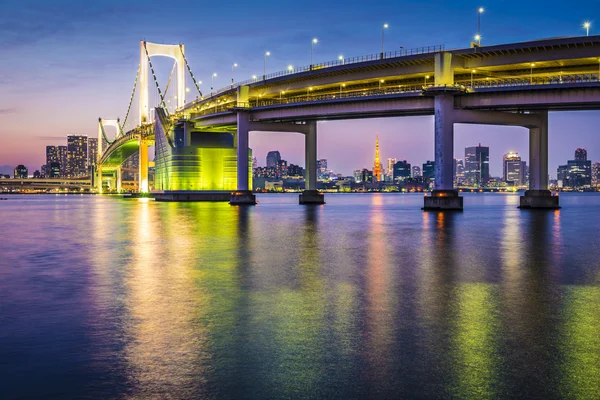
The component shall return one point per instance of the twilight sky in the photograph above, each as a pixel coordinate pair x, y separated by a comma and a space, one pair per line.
65, 63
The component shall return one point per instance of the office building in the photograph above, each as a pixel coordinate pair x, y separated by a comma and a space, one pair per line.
596, 174
459, 171
581, 154
77, 156
416, 171
92, 151
577, 173
401, 171
322, 166
52, 156
513, 169
477, 165
20, 172
429, 170
63, 159
254, 163
273, 158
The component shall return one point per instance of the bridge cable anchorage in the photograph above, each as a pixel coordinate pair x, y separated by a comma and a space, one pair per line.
190, 71
162, 98
137, 76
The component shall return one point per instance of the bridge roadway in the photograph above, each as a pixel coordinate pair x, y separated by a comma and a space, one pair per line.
513, 84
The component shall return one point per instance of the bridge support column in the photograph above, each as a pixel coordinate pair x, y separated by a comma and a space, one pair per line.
243, 194
310, 194
118, 174
99, 180
444, 197
143, 175
538, 196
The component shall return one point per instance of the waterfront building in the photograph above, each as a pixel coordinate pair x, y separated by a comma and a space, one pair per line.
416, 171
20, 172
596, 174
581, 154
53, 170
37, 174
52, 156
513, 169
377, 163
92, 151
401, 171
273, 158
357, 174
576, 173
429, 171
254, 163
77, 155
477, 165
63, 159
322, 166
366, 176
459, 171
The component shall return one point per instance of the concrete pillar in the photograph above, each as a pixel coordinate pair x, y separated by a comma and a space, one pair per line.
143, 175
119, 179
243, 195
310, 194
538, 155
310, 157
538, 196
444, 142
99, 179
143, 84
444, 197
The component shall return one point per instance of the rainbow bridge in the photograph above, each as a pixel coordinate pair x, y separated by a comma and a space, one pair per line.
202, 146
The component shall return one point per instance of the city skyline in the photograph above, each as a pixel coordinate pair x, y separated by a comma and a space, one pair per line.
87, 75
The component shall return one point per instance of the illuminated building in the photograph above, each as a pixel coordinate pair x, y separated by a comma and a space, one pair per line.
53, 170
416, 171
429, 170
52, 156
377, 163
76, 155
581, 154
322, 166
577, 173
596, 174
477, 165
36, 174
513, 169
254, 163
63, 159
459, 171
92, 151
20, 172
273, 158
401, 171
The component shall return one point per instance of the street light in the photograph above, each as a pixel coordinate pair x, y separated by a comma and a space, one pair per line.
426, 77
341, 58
290, 68
531, 74
343, 85
383, 28
254, 77
587, 25
312, 50
212, 82
380, 82
232, 72
267, 53
478, 38
479, 12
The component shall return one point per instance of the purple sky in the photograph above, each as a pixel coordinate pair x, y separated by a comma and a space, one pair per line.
66, 63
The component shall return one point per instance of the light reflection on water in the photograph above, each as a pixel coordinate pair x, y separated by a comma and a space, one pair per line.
366, 297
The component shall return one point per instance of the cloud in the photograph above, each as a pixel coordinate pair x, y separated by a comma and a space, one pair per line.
8, 110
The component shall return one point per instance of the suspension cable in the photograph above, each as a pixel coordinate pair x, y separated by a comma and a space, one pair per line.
190, 71
104, 134
137, 76
170, 77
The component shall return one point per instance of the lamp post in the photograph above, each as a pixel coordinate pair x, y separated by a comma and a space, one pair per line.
587, 25
212, 83
232, 72
383, 28
341, 58
531, 74
267, 53
312, 50
478, 38
426, 77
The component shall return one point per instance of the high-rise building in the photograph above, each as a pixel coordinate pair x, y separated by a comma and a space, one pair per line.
273, 158
401, 171
477, 165
577, 173
92, 151
254, 163
366, 176
513, 169
322, 166
377, 162
52, 156
459, 171
20, 172
390, 165
63, 159
581, 154
76, 155
357, 175
416, 171
596, 174
53, 170
429, 170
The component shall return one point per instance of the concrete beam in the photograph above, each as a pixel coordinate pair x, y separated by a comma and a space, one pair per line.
497, 118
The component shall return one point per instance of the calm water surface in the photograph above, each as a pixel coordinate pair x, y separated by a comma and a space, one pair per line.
365, 297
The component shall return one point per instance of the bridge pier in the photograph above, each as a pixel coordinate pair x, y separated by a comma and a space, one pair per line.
99, 179
119, 180
444, 197
538, 196
143, 175
311, 195
243, 195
